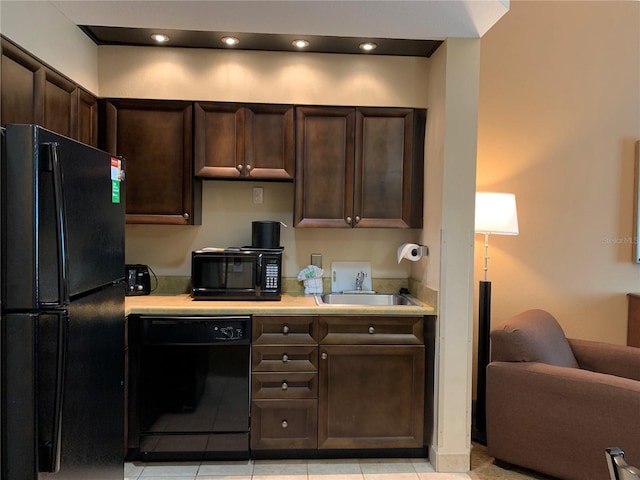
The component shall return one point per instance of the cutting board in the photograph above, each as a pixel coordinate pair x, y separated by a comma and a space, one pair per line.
343, 276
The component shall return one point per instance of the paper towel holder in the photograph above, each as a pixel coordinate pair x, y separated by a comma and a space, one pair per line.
420, 250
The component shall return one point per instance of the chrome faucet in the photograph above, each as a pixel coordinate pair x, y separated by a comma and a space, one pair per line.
360, 280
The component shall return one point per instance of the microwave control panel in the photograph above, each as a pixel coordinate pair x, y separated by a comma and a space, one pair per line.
272, 273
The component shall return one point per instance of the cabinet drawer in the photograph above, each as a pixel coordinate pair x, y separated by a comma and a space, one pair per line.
284, 385
275, 330
371, 330
284, 424
287, 358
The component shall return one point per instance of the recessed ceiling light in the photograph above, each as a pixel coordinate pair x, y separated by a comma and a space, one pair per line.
368, 46
231, 41
300, 43
160, 37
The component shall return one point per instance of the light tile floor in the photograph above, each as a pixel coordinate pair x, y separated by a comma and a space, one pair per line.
482, 468
325, 469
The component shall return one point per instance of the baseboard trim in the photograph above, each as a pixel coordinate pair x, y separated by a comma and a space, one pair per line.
450, 462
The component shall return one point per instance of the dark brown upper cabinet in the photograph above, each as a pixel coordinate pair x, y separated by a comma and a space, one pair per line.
324, 167
59, 103
240, 141
359, 167
87, 118
389, 183
20, 80
32, 92
154, 137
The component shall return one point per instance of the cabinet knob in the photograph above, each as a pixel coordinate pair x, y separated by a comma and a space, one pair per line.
285, 386
284, 424
324, 356
372, 330
248, 168
358, 218
349, 220
185, 216
239, 168
285, 358
285, 329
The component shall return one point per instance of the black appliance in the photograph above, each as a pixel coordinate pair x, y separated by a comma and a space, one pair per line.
138, 279
189, 397
265, 234
63, 215
244, 273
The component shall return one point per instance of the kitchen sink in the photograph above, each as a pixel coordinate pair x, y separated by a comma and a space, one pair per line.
368, 299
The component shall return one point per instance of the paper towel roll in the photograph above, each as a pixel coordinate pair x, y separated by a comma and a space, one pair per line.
410, 251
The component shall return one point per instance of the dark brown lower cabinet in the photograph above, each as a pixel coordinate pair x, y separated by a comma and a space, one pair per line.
371, 397
284, 424
359, 385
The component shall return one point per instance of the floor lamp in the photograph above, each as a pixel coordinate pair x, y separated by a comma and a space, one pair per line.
495, 214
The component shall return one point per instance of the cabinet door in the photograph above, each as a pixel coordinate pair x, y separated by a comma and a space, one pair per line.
244, 141
284, 330
371, 330
87, 131
18, 81
324, 167
371, 397
385, 192
283, 424
57, 98
154, 136
219, 140
269, 142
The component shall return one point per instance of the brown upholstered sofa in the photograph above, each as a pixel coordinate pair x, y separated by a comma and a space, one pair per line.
555, 404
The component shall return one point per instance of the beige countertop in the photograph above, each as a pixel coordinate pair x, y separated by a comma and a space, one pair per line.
289, 304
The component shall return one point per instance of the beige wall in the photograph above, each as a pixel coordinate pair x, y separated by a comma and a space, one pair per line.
192, 74
559, 115
40, 28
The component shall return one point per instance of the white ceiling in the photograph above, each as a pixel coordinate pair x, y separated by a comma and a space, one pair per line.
401, 19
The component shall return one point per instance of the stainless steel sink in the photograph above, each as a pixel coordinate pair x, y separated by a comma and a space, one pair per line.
368, 299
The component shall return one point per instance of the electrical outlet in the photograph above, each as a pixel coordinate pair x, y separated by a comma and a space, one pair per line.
258, 194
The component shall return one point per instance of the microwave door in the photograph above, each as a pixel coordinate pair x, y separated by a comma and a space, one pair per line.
240, 273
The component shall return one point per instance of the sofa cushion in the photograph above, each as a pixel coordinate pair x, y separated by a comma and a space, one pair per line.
532, 336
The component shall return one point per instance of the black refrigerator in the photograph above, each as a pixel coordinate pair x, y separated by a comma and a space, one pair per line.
62, 344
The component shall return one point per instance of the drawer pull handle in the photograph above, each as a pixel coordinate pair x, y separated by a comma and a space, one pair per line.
285, 358
285, 386
284, 424
372, 330
324, 356
285, 329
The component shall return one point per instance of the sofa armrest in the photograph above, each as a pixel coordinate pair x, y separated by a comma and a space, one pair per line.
559, 420
619, 360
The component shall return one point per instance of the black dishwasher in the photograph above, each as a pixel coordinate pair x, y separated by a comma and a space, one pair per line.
189, 395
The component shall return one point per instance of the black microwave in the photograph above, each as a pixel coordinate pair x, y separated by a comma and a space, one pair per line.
236, 274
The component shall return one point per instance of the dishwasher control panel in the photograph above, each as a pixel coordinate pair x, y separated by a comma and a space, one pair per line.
195, 330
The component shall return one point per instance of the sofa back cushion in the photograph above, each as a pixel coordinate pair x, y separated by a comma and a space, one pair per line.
532, 336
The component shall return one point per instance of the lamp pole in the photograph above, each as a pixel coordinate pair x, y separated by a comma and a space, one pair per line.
484, 326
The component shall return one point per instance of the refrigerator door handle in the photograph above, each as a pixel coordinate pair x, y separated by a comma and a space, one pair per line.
50, 449
61, 229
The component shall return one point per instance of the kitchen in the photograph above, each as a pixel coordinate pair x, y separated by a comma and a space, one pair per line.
453, 68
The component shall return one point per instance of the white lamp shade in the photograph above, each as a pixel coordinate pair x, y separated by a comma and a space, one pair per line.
496, 213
